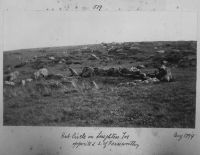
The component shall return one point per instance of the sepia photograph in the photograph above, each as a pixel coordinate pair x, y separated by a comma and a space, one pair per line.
100, 70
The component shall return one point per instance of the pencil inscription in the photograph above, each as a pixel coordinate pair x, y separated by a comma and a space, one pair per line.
100, 139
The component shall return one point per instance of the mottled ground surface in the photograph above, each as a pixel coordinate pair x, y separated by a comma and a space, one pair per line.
58, 102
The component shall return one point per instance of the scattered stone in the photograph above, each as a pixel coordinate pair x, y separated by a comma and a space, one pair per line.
125, 71
155, 80
112, 72
161, 51
95, 85
87, 72
164, 74
131, 83
134, 69
143, 75
138, 81
112, 49
133, 73
93, 57
73, 72
29, 80
146, 81
62, 61
140, 66
152, 75
128, 84
73, 83
10, 83
69, 91
13, 76
164, 62
43, 72
51, 58
100, 71
23, 82
119, 50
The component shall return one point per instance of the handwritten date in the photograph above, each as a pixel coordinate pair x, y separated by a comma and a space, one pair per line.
186, 136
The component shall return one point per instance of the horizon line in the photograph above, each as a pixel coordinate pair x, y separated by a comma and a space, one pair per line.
44, 47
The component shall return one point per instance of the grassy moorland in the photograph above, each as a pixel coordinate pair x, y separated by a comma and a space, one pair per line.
73, 101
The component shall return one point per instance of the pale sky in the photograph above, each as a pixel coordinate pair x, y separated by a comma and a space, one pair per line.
33, 29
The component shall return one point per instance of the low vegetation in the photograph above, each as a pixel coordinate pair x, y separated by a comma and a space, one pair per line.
62, 100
